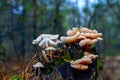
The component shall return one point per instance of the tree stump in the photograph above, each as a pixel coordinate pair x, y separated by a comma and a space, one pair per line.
65, 72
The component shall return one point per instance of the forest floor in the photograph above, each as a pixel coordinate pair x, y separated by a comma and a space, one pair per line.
111, 68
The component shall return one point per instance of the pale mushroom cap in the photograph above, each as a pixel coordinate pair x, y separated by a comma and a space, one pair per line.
57, 41
50, 36
75, 28
38, 65
43, 42
50, 48
79, 66
52, 43
37, 40
99, 38
44, 37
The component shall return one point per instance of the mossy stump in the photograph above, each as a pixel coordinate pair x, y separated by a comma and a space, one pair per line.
63, 71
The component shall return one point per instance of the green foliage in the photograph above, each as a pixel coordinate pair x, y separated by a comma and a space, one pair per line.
100, 65
16, 77
66, 26
29, 7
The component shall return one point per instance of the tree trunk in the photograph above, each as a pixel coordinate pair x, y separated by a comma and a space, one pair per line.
34, 19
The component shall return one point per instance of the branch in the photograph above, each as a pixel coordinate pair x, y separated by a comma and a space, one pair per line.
116, 13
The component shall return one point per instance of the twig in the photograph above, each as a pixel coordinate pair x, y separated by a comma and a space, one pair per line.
30, 63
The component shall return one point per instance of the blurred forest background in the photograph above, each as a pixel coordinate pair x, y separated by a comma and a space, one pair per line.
21, 21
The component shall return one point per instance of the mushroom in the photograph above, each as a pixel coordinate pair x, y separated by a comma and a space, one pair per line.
50, 36
72, 32
84, 60
78, 66
83, 36
46, 40
91, 56
52, 43
87, 42
86, 30
38, 65
43, 42
70, 39
45, 56
57, 41
50, 51
82, 29
82, 64
37, 40
91, 35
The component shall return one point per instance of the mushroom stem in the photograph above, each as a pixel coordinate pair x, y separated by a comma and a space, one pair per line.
37, 67
35, 72
39, 72
45, 56
51, 55
50, 51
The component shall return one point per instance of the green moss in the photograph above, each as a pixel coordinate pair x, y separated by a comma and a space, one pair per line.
100, 64
16, 77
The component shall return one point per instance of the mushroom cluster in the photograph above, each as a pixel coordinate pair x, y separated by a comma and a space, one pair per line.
47, 40
83, 36
82, 64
